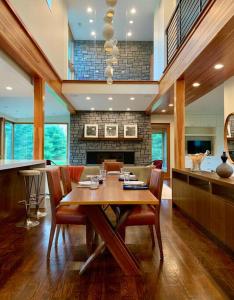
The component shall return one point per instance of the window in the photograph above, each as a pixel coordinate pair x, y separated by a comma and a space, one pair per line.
49, 2
23, 141
56, 143
19, 142
8, 140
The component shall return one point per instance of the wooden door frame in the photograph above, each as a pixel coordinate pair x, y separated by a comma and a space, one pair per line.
167, 127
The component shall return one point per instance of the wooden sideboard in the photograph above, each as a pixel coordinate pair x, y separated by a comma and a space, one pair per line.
208, 200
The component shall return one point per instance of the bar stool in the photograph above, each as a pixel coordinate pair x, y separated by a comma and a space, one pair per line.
40, 196
31, 182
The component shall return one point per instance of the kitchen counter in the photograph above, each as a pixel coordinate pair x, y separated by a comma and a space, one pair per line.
12, 187
12, 164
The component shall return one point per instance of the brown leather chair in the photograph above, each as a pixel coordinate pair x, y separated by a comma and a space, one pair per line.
64, 215
112, 166
148, 214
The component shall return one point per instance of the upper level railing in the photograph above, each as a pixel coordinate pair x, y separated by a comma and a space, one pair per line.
187, 12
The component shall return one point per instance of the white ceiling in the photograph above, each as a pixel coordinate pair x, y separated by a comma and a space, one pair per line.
211, 103
120, 102
18, 102
142, 28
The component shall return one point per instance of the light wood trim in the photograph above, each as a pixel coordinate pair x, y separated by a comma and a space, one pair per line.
110, 192
39, 96
19, 44
179, 119
166, 127
114, 81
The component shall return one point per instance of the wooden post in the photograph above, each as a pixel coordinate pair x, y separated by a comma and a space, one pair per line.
39, 95
179, 117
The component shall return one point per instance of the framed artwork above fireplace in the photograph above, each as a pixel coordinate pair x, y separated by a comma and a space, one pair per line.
111, 131
130, 131
91, 130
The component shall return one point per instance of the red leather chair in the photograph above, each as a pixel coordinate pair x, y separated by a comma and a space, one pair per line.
112, 165
64, 215
158, 164
66, 180
148, 214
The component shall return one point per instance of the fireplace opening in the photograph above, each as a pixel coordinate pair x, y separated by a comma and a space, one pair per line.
98, 157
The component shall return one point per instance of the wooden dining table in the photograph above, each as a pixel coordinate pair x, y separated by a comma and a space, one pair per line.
111, 192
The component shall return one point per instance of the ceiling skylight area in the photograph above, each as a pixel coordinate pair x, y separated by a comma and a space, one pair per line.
135, 17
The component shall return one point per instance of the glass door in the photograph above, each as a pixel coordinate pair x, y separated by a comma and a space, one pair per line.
161, 146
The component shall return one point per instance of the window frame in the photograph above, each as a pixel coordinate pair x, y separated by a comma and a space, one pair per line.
31, 123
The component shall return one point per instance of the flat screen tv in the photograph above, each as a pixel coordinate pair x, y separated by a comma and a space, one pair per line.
198, 146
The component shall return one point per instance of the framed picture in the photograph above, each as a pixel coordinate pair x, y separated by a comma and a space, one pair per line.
91, 131
130, 131
111, 131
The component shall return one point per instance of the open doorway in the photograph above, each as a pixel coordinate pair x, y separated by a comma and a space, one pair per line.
161, 145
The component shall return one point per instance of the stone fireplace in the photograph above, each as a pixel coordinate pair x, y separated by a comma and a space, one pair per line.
84, 152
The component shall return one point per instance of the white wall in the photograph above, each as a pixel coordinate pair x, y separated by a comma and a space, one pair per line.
48, 27
163, 13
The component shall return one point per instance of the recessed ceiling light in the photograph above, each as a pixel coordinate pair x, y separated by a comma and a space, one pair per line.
90, 20
93, 33
9, 88
89, 10
218, 66
171, 104
132, 98
88, 98
110, 98
196, 84
133, 11
163, 110
131, 22
92, 108
129, 33
128, 109
110, 108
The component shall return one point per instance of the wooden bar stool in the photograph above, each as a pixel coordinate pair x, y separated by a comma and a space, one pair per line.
31, 182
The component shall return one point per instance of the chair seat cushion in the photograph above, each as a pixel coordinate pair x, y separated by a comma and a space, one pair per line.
72, 214
141, 215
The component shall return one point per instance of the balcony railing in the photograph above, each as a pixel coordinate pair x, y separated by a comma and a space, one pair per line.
186, 14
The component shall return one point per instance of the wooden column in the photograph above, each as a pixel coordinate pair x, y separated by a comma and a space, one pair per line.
39, 96
179, 118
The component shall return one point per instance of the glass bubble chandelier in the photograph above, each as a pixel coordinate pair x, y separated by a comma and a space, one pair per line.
110, 45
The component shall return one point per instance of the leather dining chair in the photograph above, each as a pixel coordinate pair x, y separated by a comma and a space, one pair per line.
112, 166
66, 179
148, 214
64, 215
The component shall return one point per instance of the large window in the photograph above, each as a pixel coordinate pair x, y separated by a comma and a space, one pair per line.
56, 143
8, 140
23, 141
19, 142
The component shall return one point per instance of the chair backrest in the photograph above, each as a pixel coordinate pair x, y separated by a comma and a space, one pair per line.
158, 164
156, 183
55, 190
66, 179
112, 166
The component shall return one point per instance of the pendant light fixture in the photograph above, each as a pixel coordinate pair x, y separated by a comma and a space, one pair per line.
110, 46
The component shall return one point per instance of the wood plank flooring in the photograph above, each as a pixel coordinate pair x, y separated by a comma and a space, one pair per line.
194, 267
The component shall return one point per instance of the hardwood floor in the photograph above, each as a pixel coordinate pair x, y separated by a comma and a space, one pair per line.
194, 267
